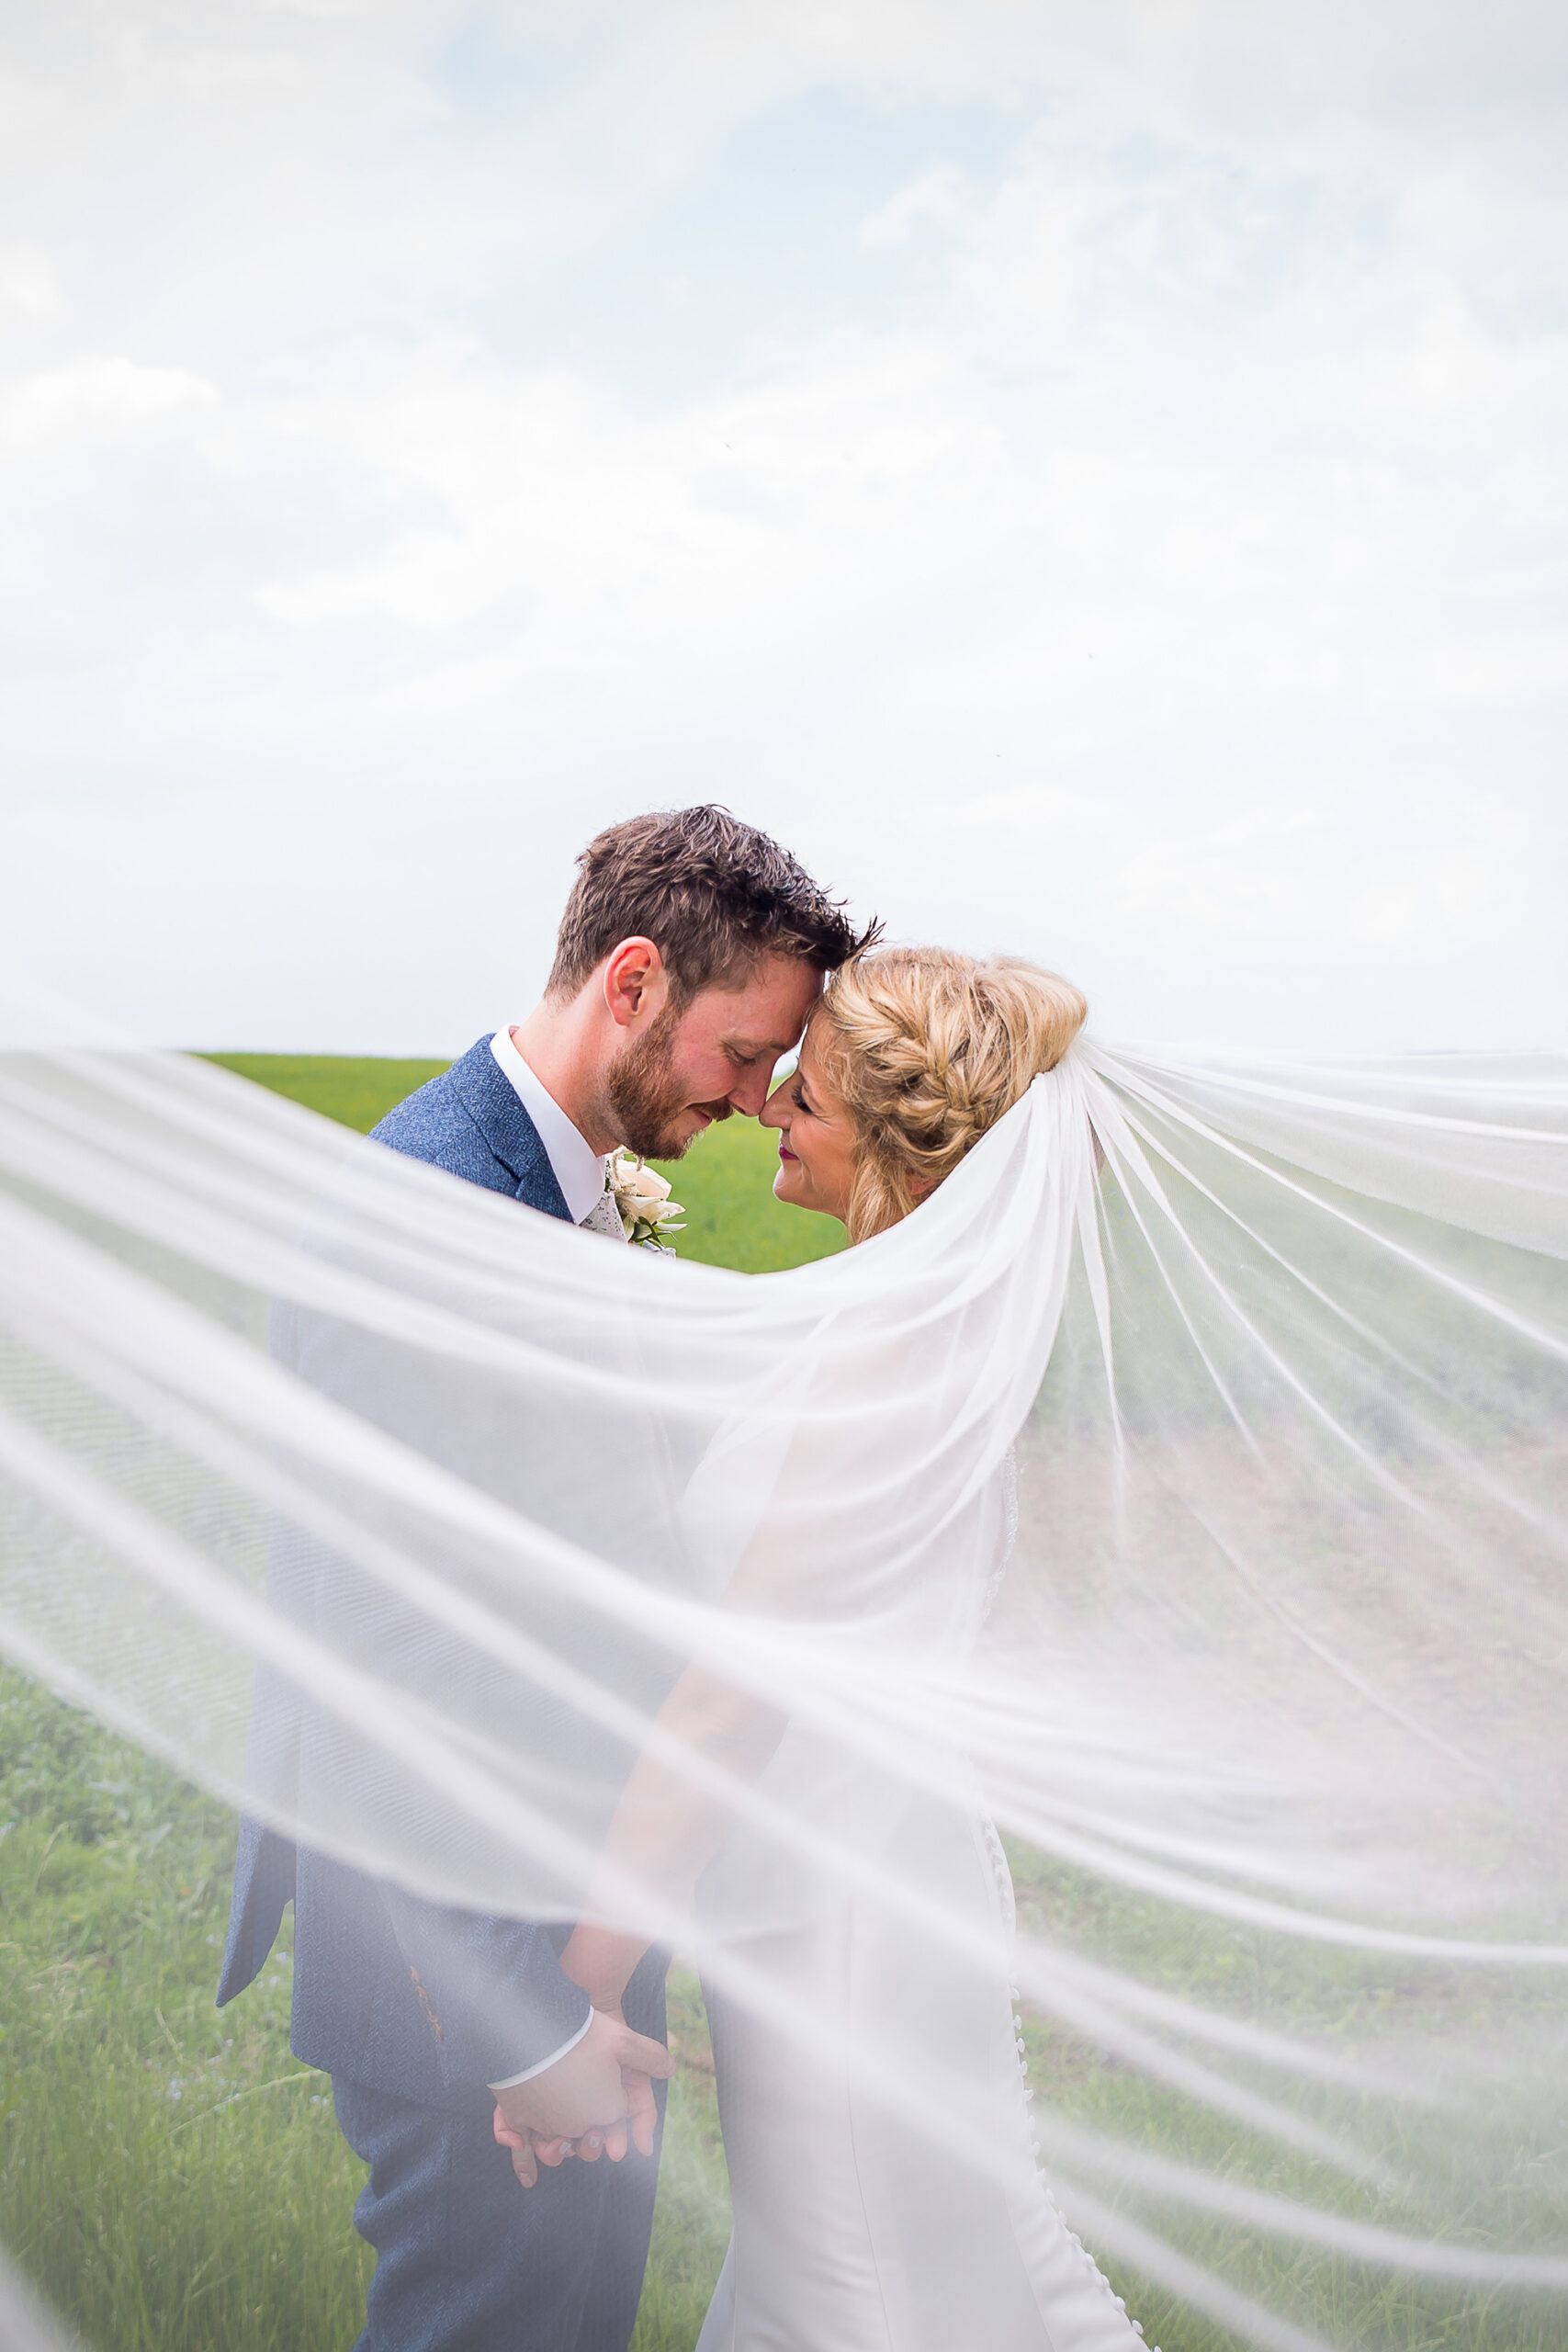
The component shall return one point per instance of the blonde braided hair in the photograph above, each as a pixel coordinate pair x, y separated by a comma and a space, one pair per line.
927, 1049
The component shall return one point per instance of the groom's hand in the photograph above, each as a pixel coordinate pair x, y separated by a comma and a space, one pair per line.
595, 2097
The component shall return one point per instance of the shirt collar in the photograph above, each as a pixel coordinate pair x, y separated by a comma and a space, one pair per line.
579, 1171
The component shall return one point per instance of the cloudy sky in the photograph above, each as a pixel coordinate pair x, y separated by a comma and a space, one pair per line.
1091, 475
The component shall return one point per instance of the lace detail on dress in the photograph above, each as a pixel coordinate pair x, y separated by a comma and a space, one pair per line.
1009, 1475
1029, 2138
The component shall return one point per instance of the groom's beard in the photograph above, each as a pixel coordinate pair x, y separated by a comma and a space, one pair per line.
645, 1095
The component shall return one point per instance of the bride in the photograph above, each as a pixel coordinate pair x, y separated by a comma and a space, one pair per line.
869, 2210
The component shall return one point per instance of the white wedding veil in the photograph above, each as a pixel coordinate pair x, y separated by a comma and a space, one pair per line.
1182, 1485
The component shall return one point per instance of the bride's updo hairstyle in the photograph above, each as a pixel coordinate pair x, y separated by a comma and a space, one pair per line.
927, 1050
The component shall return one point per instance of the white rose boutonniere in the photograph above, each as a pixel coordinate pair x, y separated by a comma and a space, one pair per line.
642, 1199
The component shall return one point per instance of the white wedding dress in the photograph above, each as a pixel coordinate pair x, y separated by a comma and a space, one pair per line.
862, 2222
854, 2231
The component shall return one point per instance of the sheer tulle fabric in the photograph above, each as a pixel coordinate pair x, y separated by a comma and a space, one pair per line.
1181, 1488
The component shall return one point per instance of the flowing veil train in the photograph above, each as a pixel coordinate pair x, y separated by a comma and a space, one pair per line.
1254, 1374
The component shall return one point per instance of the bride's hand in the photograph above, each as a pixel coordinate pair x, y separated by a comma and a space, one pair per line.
531, 2149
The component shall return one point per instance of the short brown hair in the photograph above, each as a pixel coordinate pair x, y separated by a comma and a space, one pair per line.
715, 896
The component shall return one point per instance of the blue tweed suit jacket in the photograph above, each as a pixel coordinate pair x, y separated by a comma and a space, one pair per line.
406, 1996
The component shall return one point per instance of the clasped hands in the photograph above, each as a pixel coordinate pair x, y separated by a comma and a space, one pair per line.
597, 2100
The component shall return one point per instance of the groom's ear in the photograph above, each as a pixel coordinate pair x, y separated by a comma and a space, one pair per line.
635, 983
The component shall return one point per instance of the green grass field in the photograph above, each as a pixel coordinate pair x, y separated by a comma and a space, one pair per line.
174, 2179
724, 1183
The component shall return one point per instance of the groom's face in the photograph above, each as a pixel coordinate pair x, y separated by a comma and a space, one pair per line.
688, 1069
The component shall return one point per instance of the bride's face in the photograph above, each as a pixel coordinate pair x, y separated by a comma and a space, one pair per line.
816, 1140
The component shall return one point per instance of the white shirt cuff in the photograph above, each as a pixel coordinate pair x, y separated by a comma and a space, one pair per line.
529, 2072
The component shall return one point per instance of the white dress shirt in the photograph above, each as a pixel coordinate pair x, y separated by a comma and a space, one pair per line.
579, 1172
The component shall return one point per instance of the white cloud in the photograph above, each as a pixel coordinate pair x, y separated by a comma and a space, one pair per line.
28, 283
101, 391
939, 196
1140, 530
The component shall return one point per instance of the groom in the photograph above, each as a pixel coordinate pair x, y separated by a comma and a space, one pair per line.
690, 954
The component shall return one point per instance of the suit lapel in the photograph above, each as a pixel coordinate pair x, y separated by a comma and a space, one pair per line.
508, 1130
